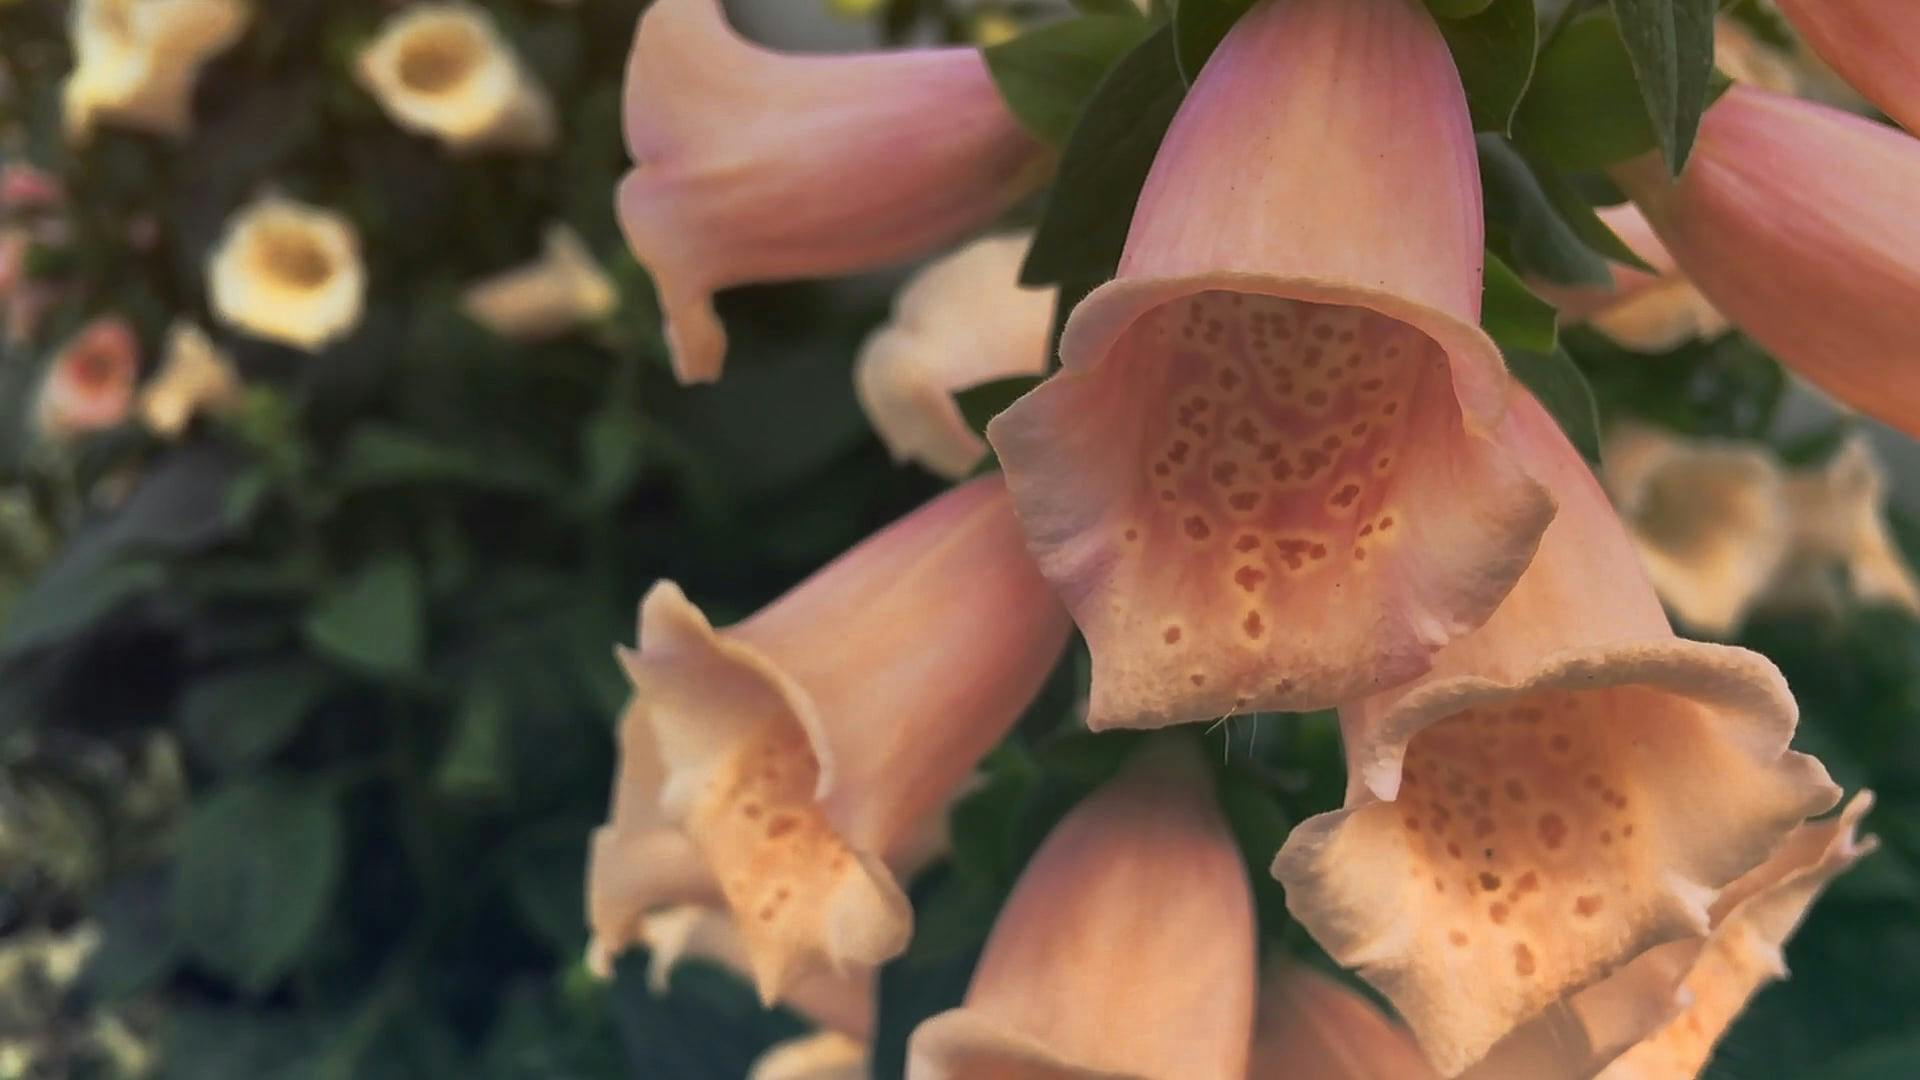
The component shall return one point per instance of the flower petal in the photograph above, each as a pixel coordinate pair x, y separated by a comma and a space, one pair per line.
1311, 1026
752, 165
1709, 518
825, 1055
962, 321
1095, 967
1874, 45
560, 290
1569, 787
1262, 479
1839, 516
444, 70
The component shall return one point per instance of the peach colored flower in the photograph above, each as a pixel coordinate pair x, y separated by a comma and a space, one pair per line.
136, 61
962, 321
194, 378
89, 385
290, 273
1839, 516
1873, 44
823, 1055
443, 70
562, 289
1569, 787
1648, 313
1264, 477
1752, 921
752, 165
1126, 951
777, 766
1797, 221
1709, 517
1313, 1028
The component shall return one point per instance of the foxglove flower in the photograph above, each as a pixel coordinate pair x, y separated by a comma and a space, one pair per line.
1645, 312
1873, 44
195, 377
1839, 516
823, 1055
136, 61
1797, 221
1126, 948
1710, 519
1752, 921
1264, 477
1310, 1026
962, 321
89, 385
544, 299
444, 71
1570, 786
289, 273
775, 766
752, 165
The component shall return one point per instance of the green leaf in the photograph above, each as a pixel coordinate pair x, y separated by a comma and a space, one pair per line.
1511, 314
236, 718
1579, 215
1107, 7
612, 448
982, 403
1526, 225
1084, 226
1458, 9
257, 868
1260, 825
1671, 45
1561, 387
1583, 109
1198, 27
1047, 75
372, 620
1893, 1058
381, 456
139, 942
476, 764
1493, 46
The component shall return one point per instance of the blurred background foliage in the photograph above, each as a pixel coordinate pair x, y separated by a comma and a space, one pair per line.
305, 719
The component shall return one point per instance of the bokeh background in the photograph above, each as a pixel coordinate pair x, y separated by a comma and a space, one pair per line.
305, 718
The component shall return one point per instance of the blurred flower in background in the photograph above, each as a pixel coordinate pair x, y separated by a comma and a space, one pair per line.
289, 273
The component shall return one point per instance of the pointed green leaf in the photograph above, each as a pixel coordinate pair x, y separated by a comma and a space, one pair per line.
1561, 387
1511, 314
1493, 46
1048, 75
1671, 45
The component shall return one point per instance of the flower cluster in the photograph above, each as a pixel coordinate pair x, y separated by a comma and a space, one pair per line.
1279, 467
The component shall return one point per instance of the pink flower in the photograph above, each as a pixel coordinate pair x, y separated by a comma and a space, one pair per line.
1264, 477
1126, 950
1570, 786
90, 383
1644, 312
1797, 221
783, 767
752, 165
1313, 1028
26, 187
1873, 44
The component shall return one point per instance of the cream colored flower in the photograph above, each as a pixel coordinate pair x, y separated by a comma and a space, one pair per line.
194, 377
1740, 54
1709, 519
290, 273
561, 289
824, 1055
444, 70
1839, 516
1640, 311
962, 321
137, 60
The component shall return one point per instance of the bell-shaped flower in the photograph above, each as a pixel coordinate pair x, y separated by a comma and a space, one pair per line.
544, 299
1126, 949
136, 61
1641, 311
962, 321
1796, 220
777, 766
1873, 44
289, 273
195, 377
443, 70
752, 165
843, 1004
1752, 921
1570, 786
1839, 529
1264, 477
1310, 1026
1709, 517
89, 385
